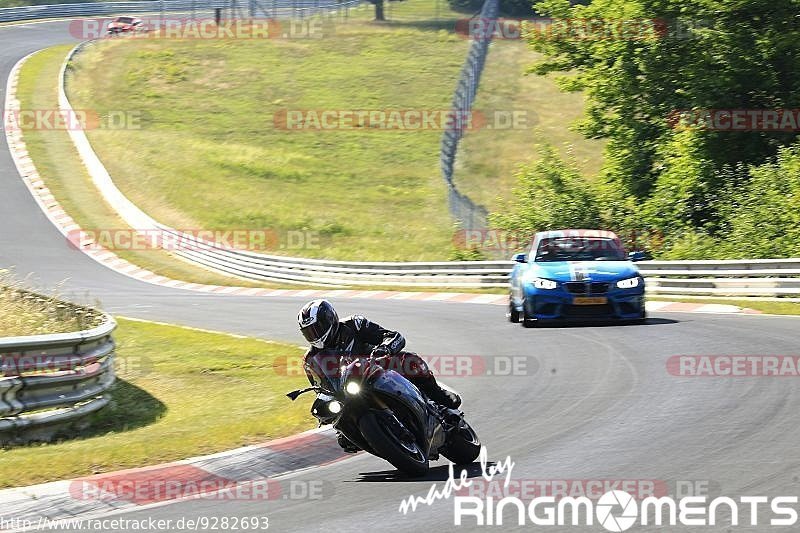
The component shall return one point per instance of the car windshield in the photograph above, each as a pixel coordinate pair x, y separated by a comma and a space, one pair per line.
579, 249
125, 20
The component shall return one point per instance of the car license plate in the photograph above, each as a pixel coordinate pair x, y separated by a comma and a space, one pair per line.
588, 300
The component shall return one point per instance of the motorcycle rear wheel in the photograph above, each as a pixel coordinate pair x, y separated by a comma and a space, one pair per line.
405, 456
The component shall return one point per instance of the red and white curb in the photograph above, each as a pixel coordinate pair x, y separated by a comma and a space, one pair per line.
65, 224
252, 473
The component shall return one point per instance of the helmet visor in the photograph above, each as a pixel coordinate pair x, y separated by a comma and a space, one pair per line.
316, 334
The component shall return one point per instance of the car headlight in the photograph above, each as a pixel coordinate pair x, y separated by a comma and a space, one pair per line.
334, 407
547, 284
352, 388
629, 283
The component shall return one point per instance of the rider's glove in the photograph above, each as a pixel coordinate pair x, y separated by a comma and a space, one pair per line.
380, 351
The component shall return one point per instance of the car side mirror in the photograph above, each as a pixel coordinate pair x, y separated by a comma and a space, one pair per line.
520, 258
637, 256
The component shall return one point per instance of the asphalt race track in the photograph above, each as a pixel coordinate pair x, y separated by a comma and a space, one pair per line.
598, 402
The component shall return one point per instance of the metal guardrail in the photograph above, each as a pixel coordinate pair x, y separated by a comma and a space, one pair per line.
253, 8
55, 378
739, 277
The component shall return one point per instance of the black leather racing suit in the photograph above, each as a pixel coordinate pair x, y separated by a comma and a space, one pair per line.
358, 336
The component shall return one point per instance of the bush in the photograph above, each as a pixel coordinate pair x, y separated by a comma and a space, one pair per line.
550, 194
762, 218
767, 222
690, 245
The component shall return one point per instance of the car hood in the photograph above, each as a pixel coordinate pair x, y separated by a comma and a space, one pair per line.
584, 270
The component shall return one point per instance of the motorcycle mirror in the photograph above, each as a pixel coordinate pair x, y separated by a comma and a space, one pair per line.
294, 394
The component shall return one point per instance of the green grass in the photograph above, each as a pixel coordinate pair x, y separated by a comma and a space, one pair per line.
25, 313
180, 393
208, 154
771, 307
488, 157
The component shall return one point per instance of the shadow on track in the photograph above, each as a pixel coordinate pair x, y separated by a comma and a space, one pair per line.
602, 323
436, 473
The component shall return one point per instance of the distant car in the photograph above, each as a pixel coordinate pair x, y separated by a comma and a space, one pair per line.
123, 25
576, 274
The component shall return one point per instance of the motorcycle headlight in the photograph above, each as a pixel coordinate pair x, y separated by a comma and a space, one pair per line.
352, 388
629, 283
547, 284
334, 407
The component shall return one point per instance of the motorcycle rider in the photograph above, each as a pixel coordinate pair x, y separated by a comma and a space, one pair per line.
355, 335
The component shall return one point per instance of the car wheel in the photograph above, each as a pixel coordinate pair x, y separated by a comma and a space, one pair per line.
527, 321
512, 314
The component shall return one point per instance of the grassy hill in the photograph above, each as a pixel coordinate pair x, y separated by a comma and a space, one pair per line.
208, 153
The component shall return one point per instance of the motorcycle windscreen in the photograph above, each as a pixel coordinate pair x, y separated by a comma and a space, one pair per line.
327, 369
396, 386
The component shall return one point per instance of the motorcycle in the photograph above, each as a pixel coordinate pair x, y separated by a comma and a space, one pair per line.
384, 414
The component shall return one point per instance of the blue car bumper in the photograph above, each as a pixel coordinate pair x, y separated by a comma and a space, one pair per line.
560, 304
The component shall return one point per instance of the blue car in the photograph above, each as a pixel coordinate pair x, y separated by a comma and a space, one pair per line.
576, 274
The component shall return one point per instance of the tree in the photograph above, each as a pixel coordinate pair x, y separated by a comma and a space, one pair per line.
642, 60
378, 9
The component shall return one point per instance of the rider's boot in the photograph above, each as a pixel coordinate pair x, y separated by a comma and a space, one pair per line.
347, 445
436, 392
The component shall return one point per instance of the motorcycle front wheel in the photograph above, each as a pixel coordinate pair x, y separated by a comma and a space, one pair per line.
393, 443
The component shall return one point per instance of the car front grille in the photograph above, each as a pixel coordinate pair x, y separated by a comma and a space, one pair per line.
588, 311
580, 287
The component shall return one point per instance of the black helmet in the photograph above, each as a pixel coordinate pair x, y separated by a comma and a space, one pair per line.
318, 322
